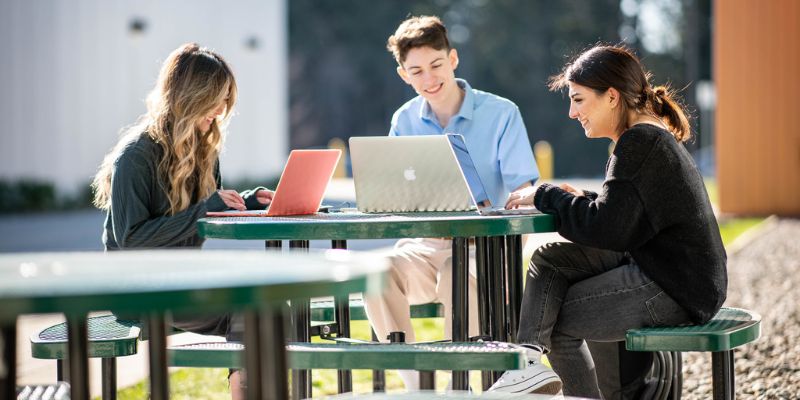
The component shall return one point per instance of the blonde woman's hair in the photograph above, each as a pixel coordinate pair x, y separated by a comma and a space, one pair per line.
193, 82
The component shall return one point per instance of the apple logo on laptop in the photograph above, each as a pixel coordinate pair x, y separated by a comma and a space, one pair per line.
409, 174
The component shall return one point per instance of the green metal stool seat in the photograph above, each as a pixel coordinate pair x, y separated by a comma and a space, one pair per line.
323, 323
424, 357
109, 338
729, 329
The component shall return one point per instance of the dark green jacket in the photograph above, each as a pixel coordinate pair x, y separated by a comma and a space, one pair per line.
138, 216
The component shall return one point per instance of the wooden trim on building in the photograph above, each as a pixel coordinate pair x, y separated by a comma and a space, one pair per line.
757, 75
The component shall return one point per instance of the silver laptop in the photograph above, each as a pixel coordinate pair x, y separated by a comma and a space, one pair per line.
407, 174
473, 180
418, 173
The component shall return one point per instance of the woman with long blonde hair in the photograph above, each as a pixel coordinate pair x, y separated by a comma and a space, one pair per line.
163, 174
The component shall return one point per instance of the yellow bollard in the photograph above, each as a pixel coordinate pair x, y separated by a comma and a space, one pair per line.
337, 143
544, 159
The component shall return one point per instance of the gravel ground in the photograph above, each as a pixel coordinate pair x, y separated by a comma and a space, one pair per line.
764, 276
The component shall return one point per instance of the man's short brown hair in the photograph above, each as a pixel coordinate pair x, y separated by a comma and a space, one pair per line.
422, 31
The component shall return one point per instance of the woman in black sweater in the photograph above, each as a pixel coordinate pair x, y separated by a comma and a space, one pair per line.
645, 251
163, 174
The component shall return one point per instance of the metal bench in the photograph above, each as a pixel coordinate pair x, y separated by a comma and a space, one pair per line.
109, 338
323, 320
729, 329
424, 357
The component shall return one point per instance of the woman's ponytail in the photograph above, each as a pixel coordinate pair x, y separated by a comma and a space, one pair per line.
664, 103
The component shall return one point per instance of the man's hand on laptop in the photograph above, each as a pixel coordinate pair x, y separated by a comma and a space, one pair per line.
264, 196
521, 197
232, 199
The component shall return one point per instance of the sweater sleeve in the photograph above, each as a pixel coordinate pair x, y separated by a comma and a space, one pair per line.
590, 194
251, 200
615, 220
133, 224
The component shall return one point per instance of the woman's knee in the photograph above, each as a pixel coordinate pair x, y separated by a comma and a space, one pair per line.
541, 260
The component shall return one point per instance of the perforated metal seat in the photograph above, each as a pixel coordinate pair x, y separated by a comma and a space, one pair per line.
486, 356
729, 329
109, 338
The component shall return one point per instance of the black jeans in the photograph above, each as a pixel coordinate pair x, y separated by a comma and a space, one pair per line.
575, 293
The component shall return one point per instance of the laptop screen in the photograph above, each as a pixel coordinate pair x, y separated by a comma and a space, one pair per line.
468, 168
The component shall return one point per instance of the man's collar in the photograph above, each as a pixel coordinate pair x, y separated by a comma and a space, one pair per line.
467, 105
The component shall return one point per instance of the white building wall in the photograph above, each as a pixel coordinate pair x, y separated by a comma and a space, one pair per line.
72, 75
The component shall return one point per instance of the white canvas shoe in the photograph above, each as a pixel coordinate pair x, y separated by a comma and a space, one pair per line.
534, 378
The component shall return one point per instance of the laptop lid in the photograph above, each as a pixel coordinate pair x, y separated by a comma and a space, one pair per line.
303, 182
406, 174
475, 184
468, 168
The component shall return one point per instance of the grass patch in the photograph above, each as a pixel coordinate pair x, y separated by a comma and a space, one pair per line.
733, 228
185, 384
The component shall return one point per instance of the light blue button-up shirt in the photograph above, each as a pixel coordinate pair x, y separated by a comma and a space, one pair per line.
493, 131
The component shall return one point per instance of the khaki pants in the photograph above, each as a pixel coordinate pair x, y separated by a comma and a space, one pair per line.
420, 272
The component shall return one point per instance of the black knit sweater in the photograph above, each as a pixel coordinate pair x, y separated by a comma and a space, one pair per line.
654, 206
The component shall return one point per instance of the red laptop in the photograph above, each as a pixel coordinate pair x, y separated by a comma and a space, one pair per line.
301, 187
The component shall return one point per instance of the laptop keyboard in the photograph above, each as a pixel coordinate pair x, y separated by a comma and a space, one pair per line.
350, 216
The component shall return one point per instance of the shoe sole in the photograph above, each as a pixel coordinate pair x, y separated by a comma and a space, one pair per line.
549, 388
549, 385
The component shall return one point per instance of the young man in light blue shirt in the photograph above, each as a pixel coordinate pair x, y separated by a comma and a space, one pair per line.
498, 143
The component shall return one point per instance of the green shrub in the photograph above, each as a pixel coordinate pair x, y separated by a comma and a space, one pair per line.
26, 195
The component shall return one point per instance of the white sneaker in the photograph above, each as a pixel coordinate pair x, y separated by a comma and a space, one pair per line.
534, 378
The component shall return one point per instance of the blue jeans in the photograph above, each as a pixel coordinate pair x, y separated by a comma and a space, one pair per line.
575, 293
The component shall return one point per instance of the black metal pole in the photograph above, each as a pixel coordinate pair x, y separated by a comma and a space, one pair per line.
676, 389
723, 378
273, 354
482, 275
483, 298
60, 373
427, 380
460, 304
514, 280
8, 383
252, 355
342, 312
378, 375
498, 300
109, 378
301, 316
496, 268
78, 356
159, 379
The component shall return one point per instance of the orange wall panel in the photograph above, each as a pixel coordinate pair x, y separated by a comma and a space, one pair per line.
757, 75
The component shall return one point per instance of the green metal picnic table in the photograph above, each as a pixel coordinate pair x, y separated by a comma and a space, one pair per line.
498, 245
183, 282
